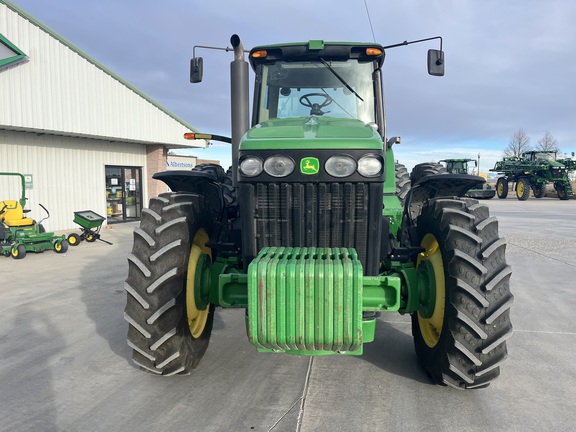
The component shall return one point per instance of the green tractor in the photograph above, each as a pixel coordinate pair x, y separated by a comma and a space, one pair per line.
533, 170
19, 234
460, 166
308, 233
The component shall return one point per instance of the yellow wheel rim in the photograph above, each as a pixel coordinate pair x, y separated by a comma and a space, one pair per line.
500, 188
196, 318
58, 247
520, 189
431, 328
72, 240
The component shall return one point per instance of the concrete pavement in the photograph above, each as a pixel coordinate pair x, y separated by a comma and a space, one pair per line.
65, 365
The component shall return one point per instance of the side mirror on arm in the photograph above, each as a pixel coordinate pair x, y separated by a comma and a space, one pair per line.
196, 69
436, 62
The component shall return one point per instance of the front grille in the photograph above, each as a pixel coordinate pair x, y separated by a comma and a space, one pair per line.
312, 215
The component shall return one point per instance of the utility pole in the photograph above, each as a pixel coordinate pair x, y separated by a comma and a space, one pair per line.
478, 166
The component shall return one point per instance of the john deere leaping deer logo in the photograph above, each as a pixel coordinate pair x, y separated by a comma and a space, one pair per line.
309, 165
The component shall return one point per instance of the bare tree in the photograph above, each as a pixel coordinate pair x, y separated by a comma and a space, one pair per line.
548, 142
519, 143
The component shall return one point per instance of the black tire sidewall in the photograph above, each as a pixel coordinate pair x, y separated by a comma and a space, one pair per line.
473, 257
170, 209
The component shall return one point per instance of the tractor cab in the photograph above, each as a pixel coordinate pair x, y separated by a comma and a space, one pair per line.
318, 79
543, 155
457, 166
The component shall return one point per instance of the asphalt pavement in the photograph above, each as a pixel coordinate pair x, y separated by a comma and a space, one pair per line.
65, 364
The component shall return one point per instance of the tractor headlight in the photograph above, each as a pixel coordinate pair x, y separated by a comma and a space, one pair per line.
369, 166
340, 166
279, 166
251, 166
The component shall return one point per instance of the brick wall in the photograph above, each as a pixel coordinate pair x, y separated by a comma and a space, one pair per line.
206, 161
155, 162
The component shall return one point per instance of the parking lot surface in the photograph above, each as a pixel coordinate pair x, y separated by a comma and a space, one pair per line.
65, 364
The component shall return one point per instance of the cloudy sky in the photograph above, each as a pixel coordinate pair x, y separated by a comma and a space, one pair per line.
510, 64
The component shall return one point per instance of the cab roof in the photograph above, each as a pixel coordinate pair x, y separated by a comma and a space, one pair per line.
315, 49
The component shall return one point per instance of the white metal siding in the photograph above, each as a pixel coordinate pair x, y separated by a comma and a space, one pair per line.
60, 91
68, 173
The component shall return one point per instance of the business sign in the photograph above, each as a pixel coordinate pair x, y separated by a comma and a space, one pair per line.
174, 162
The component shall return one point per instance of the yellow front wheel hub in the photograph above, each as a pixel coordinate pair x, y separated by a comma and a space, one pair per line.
520, 188
197, 318
431, 328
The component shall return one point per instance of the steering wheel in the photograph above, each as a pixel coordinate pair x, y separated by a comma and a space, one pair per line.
316, 108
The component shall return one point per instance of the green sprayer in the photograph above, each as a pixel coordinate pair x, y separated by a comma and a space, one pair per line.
532, 171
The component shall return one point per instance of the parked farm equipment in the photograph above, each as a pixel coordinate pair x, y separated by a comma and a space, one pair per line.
533, 170
309, 231
19, 234
90, 226
460, 166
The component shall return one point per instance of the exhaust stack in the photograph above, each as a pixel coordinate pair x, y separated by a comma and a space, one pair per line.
239, 97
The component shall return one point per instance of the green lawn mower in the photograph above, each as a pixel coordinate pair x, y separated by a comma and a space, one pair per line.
19, 234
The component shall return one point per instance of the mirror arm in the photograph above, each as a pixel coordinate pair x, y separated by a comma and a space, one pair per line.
413, 42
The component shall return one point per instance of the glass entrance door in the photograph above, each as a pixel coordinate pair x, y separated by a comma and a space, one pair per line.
123, 193
132, 193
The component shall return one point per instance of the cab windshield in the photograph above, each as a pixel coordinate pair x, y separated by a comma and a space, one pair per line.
342, 89
544, 156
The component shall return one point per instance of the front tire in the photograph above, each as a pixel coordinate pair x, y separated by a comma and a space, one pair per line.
61, 246
168, 330
502, 188
460, 338
562, 195
18, 251
522, 189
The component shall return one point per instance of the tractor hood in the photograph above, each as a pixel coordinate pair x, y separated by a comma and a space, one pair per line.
312, 133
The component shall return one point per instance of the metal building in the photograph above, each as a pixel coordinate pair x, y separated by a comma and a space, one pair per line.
85, 138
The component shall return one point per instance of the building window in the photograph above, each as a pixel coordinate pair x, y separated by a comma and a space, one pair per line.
9, 53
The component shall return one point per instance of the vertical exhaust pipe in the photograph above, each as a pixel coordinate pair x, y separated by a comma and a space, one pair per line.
239, 97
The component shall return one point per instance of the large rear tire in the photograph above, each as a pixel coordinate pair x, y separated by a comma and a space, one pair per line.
169, 330
460, 338
425, 169
402, 182
502, 187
